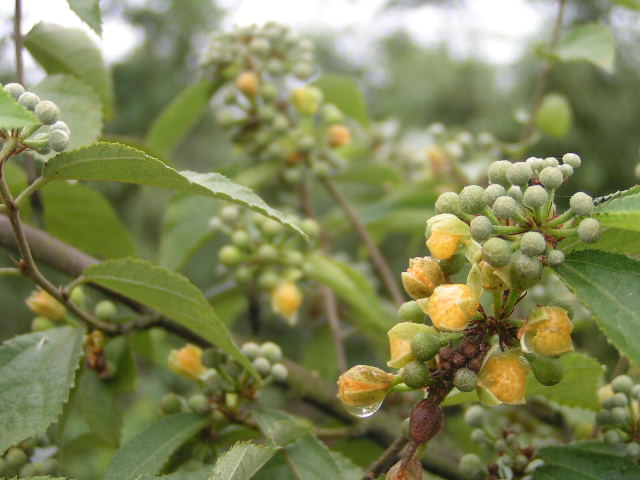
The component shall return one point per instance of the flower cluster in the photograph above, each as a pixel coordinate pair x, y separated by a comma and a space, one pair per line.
619, 416
32, 457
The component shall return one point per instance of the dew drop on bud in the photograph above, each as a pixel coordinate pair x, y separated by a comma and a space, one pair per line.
363, 412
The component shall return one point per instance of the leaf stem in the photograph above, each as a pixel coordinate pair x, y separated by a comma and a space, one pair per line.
561, 219
30, 190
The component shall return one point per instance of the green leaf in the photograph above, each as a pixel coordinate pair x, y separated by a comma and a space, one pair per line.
120, 354
89, 13
579, 462
84, 218
149, 451
98, 404
319, 354
169, 293
175, 121
80, 107
623, 213
554, 115
119, 163
70, 50
185, 228
345, 94
608, 285
280, 427
200, 474
14, 115
37, 371
591, 42
631, 4
242, 461
611, 240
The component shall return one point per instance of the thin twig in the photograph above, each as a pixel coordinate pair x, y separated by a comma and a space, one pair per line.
377, 257
383, 461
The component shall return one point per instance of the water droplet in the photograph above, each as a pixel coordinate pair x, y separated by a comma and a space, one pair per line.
363, 412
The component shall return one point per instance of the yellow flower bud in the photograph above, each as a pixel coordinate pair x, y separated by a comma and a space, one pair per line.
438, 160
503, 378
400, 342
446, 233
338, 135
307, 99
452, 306
547, 332
43, 304
364, 387
248, 83
422, 276
187, 362
285, 300
494, 279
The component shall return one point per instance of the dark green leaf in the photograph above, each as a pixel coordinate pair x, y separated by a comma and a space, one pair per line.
345, 94
89, 13
69, 50
14, 115
242, 461
591, 42
149, 451
280, 427
200, 474
554, 115
99, 407
37, 371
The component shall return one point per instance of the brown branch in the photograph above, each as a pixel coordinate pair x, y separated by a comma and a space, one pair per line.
384, 461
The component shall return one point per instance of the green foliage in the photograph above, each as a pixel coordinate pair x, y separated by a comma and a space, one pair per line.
280, 427
98, 404
242, 461
590, 42
631, 4
37, 371
554, 115
344, 93
89, 13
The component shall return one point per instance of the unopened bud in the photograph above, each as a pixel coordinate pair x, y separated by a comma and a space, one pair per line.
503, 378
519, 173
472, 199
187, 362
43, 304
571, 159
581, 204
452, 306
422, 276
547, 332
535, 196
47, 112
338, 135
307, 99
533, 244
496, 252
411, 312
415, 374
248, 83
548, 371
465, 380
481, 228
494, 191
497, 172
400, 340
551, 177
445, 233
589, 230
364, 386
504, 207
286, 300
448, 202
29, 100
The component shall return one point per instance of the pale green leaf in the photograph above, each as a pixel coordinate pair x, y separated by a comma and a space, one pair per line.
242, 461
622, 213
591, 42
280, 427
89, 13
608, 284
98, 404
37, 371
149, 451
70, 50
84, 218
169, 293
14, 115
554, 115
119, 163
345, 94
175, 121
614, 240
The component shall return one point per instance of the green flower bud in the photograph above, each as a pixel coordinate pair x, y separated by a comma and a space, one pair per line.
619, 416
270, 227
280, 124
515, 192
47, 112
448, 202
415, 374
262, 365
519, 173
635, 392
425, 346
268, 280
619, 400
547, 370
603, 417
229, 255
271, 352
28, 100
310, 227
612, 437
471, 466
40, 324
632, 450
294, 258
259, 45
28, 470
566, 170
243, 274
481, 228
58, 140
474, 416
504, 207
78, 297
307, 99
520, 462
551, 162
268, 253
453, 264
198, 403
241, 239
279, 372
551, 177
500, 446
331, 114
479, 436
494, 191
50, 466
14, 89
268, 91
229, 213
589, 230
465, 380
497, 172
251, 350
555, 258
535, 196
525, 270
581, 204
171, 403
472, 199
571, 159
535, 163
274, 67
622, 384
106, 310
303, 70
533, 244
496, 252
411, 312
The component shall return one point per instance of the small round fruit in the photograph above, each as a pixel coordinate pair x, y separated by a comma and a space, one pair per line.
415, 374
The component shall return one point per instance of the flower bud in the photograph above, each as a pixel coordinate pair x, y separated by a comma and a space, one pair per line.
15, 458
472, 199
497, 172
481, 228
589, 230
400, 337
496, 252
28, 100
262, 366
248, 83
411, 312
515, 192
494, 279
198, 403
555, 258
285, 300
551, 177
415, 374
307, 99
58, 140
535, 196
230, 255
622, 384
547, 332
47, 112
40, 324
571, 159
567, 171
106, 310
43, 304
474, 416
533, 244
338, 135
251, 350
494, 191
364, 386
14, 89
78, 297
187, 362
503, 378
279, 372
271, 351
519, 173
426, 345
448, 202
524, 270
331, 114
422, 276
445, 233
548, 371
303, 70
504, 207
551, 162
471, 466
454, 264
452, 306
535, 163
465, 380
581, 204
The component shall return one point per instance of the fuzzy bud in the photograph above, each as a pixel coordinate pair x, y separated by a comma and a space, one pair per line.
471, 466
535, 196
251, 350
307, 99
14, 89
452, 306
551, 162
555, 258
43, 304
567, 170
230, 255
622, 384
445, 233
548, 371
589, 230
465, 380
171, 403
425, 345
524, 270
515, 192
494, 191
448, 202
533, 244
497, 172
474, 416
535, 163
519, 173
547, 332
551, 177
571, 159
262, 366
415, 374
286, 300
503, 378
364, 386
271, 351
481, 228
248, 83
279, 372
29, 100
473, 199
58, 140
496, 252
47, 112
504, 207
187, 362
400, 337
494, 279
581, 204
106, 310
422, 276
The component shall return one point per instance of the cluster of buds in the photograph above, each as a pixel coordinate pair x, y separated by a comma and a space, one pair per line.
292, 127
32, 457
36, 138
263, 258
619, 415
